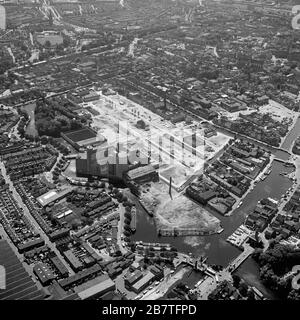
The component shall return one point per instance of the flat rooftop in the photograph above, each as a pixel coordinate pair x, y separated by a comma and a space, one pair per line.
81, 134
52, 196
96, 286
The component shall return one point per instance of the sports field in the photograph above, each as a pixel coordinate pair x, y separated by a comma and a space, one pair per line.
81, 135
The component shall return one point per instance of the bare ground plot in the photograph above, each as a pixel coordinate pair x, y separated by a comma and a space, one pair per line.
178, 173
277, 111
177, 212
183, 213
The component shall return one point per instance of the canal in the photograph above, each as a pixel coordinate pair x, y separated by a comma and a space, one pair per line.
215, 247
249, 272
291, 137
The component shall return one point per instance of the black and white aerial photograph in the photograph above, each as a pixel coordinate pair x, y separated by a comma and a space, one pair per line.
149, 153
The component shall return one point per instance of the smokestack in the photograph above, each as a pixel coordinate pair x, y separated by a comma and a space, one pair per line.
172, 147
149, 145
89, 153
160, 146
194, 144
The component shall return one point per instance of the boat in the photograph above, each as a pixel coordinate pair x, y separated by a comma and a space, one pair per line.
145, 207
133, 219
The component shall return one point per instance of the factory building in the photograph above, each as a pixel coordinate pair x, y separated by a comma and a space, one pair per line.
108, 163
95, 288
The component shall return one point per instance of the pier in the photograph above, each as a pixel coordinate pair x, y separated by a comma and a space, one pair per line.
184, 232
287, 163
133, 220
233, 265
198, 264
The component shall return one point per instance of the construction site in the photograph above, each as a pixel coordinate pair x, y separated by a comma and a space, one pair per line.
168, 207
180, 150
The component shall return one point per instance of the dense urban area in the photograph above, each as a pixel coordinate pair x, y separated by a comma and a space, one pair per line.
149, 150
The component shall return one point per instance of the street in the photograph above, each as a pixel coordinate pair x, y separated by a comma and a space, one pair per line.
31, 219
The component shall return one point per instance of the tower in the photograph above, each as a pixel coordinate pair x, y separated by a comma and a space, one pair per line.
89, 157
149, 144
170, 188
194, 142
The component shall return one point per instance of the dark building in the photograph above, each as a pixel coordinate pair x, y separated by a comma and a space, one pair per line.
108, 163
83, 138
142, 174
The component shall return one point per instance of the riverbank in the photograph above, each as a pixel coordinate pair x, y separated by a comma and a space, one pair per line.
215, 247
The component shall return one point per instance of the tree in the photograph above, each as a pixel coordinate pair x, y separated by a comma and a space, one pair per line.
118, 253
115, 190
66, 42
127, 239
127, 215
47, 44
236, 280
294, 295
102, 184
256, 254
127, 209
250, 294
127, 221
127, 233
89, 221
127, 228
243, 289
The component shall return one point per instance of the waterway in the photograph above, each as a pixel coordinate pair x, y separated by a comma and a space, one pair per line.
215, 247
292, 136
288, 142
249, 272
30, 129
